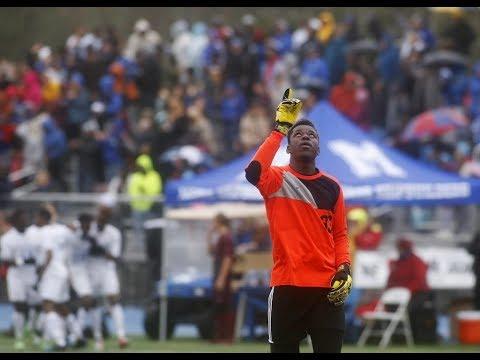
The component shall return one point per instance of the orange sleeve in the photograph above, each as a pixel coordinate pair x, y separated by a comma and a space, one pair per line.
340, 235
259, 171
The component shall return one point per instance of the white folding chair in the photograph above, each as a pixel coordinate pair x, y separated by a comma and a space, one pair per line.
398, 297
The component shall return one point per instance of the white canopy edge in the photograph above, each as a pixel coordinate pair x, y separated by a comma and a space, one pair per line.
209, 211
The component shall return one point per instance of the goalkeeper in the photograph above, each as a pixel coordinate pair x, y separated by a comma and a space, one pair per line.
310, 278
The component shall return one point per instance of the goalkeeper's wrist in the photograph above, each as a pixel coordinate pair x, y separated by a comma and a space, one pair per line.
282, 127
345, 267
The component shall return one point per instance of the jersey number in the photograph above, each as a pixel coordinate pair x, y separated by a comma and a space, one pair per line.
327, 222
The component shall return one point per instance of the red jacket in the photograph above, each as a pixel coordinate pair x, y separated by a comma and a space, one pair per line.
409, 272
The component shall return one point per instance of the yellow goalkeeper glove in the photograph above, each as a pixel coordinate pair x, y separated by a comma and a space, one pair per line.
341, 286
287, 112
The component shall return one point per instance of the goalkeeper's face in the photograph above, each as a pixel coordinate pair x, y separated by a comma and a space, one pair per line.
304, 143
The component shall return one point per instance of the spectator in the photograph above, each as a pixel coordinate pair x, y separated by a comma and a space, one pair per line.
327, 26
471, 167
418, 38
180, 48
302, 34
7, 134
255, 125
459, 34
143, 184
283, 36
145, 131
92, 69
32, 89
72, 44
474, 92
335, 54
387, 66
408, 270
364, 231
233, 107
77, 104
5, 186
270, 69
197, 47
220, 247
55, 143
314, 66
89, 157
240, 65
111, 95
116, 144
31, 134
352, 99
201, 132
142, 38
174, 128
149, 79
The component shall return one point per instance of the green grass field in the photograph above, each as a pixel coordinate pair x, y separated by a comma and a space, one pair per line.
140, 344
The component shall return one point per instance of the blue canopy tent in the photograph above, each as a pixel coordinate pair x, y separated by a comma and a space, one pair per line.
370, 173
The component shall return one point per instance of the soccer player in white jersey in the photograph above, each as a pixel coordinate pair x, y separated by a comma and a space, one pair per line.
104, 253
35, 315
54, 285
78, 267
16, 253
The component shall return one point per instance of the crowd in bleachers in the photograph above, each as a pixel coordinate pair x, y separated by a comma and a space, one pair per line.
74, 118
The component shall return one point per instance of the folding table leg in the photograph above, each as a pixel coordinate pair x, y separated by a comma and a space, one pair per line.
239, 318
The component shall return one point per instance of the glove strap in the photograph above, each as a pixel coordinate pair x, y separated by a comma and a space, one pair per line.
282, 127
344, 267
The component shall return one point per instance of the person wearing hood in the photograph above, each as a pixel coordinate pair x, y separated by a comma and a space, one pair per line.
327, 26
143, 38
409, 270
143, 183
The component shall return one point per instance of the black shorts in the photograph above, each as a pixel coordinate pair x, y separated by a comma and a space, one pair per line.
294, 312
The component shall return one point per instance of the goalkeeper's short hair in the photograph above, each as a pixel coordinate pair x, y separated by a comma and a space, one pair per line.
300, 122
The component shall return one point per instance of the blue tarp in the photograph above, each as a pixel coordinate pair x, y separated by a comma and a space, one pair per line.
371, 173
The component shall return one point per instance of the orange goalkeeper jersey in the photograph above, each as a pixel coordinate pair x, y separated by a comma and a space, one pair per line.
307, 219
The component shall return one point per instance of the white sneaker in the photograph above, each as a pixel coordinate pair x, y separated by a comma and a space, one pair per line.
99, 345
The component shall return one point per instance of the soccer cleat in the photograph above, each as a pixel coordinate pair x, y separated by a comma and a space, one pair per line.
56, 348
122, 343
80, 343
19, 345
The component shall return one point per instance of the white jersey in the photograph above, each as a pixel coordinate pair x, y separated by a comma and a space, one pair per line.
56, 238
109, 238
78, 250
34, 237
14, 246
